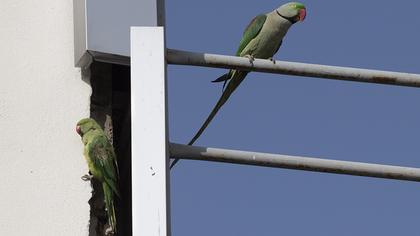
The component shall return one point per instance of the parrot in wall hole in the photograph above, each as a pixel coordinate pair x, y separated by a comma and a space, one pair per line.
262, 38
102, 163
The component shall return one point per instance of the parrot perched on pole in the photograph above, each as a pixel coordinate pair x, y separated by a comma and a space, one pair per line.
262, 38
102, 163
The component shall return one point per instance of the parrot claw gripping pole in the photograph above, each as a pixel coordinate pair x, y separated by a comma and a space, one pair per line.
251, 59
109, 231
87, 177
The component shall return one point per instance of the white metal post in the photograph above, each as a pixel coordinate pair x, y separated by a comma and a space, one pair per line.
150, 172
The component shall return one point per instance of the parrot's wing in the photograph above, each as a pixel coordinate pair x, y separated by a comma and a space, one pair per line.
251, 31
103, 156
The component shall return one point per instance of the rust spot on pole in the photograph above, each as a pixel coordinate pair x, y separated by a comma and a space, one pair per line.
384, 80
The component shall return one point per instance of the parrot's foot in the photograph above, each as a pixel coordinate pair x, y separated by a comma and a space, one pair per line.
87, 177
109, 231
272, 59
251, 59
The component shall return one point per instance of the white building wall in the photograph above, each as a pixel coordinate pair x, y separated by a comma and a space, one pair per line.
42, 97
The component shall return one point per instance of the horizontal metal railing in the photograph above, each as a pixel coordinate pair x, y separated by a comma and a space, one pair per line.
293, 162
292, 68
180, 57
180, 151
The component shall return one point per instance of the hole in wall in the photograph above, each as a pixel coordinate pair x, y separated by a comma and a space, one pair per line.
110, 107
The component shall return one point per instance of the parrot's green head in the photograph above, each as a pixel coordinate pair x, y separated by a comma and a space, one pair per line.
293, 11
85, 125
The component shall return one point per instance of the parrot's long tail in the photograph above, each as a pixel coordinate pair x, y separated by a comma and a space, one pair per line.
109, 204
238, 77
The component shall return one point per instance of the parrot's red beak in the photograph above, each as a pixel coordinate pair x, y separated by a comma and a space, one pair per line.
78, 130
302, 14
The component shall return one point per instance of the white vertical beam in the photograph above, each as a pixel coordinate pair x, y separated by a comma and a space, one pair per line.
150, 172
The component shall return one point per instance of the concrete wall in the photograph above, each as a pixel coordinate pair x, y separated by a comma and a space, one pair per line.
42, 97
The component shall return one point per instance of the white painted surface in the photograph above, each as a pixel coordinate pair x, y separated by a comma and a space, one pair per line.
150, 170
42, 97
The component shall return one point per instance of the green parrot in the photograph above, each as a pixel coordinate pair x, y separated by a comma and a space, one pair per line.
102, 162
262, 38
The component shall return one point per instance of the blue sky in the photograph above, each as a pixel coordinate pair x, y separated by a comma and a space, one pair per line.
297, 116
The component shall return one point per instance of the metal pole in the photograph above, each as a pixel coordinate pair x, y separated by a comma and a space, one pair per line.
292, 68
294, 162
150, 159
